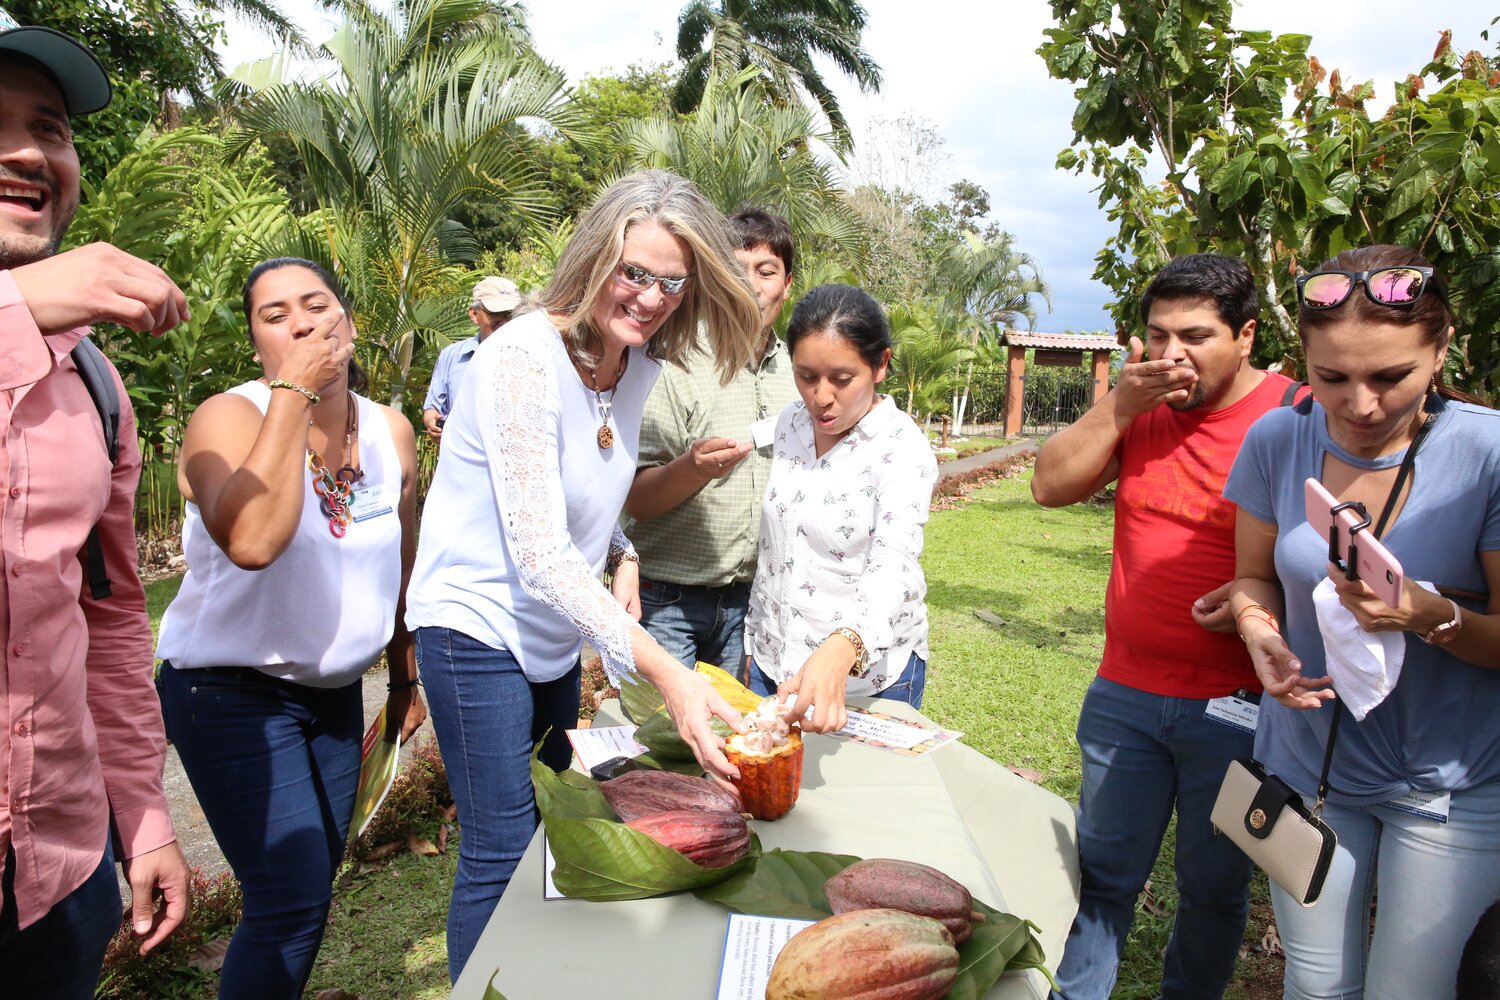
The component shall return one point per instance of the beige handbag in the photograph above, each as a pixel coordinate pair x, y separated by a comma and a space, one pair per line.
1266, 818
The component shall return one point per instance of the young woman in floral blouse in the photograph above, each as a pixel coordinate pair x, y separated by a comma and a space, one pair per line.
838, 606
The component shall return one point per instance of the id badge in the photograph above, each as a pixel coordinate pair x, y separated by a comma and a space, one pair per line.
1428, 805
763, 431
373, 501
1233, 710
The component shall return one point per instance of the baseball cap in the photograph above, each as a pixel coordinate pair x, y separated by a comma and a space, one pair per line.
83, 82
497, 295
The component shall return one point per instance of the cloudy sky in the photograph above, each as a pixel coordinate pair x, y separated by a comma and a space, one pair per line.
970, 69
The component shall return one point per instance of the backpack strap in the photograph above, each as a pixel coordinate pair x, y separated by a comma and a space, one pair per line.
93, 368
1290, 396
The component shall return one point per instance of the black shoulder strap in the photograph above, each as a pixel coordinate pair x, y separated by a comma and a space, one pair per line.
1290, 396
94, 370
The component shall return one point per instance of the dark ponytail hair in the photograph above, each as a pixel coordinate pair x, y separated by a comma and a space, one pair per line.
358, 381
849, 312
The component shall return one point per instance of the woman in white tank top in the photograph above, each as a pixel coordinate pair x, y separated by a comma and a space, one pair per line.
299, 540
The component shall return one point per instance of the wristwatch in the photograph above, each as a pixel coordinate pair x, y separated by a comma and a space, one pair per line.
861, 654
1444, 633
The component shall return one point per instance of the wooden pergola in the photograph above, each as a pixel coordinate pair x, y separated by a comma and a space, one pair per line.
1063, 350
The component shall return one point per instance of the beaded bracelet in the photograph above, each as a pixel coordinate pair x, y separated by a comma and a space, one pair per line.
281, 383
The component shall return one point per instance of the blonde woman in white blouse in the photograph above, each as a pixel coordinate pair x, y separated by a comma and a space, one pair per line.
838, 605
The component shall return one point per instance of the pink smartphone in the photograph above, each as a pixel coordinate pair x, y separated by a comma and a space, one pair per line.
1372, 561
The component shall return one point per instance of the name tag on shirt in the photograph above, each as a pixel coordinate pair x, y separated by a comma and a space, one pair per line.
373, 501
1428, 805
763, 431
1233, 711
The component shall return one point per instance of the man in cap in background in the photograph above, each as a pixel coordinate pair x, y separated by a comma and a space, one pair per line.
81, 740
491, 306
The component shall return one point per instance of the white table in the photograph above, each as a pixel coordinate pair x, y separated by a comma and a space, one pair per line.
1012, 843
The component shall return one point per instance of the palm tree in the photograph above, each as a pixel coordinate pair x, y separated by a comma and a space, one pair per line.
927, 354
741, 149
421, 108
721, 37
993, 284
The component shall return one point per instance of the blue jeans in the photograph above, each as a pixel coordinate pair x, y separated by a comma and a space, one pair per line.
697, 623
909, 687
1143, 755
488, 717
59, 956
274, 765
1434, 880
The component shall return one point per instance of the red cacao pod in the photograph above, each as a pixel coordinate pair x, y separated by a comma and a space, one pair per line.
768, 782
904, 885
640, 793
711, 839
881, 954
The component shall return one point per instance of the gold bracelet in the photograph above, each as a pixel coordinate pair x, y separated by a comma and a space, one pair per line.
281, 383
623, 555
861, 653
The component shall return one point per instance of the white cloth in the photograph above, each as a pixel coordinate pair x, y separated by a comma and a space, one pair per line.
1364, 666
323, 611
523, 510
841, 543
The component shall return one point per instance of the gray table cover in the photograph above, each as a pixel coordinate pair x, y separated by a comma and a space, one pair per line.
1011, 842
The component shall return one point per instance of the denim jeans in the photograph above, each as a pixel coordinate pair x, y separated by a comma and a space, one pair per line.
58, 957
697, 623
1143, 755
1434, 881
909, 687
488, 717
274, 765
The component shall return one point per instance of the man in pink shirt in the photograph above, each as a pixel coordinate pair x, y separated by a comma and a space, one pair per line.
81, 742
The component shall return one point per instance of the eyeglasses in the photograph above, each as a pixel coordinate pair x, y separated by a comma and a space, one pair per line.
640, 279
1397, 287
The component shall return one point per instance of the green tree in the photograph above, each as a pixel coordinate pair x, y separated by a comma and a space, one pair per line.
1174, 78
740, 149
722, 37
422, 109
927, 355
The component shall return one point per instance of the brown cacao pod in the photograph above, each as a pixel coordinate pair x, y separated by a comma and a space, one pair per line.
903, 885
768, 782
640, 793
711, 839
879, 954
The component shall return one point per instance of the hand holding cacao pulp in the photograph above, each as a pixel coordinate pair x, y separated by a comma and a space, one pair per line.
641, 793
709, 839
904, 885
880, 954
769, 759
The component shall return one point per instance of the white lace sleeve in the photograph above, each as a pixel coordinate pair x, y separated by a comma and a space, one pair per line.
522, 447
619, 546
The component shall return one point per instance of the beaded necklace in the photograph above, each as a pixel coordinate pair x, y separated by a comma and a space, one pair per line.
606, 435
335, 489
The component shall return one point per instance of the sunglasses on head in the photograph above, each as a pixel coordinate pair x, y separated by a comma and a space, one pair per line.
1397, 287
640, 279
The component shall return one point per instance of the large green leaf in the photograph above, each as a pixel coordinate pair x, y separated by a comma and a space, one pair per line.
600, 858
1001, 942
490, 993
639, 698
781, 884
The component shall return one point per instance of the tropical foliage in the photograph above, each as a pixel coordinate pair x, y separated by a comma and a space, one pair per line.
780, 37
1176, 79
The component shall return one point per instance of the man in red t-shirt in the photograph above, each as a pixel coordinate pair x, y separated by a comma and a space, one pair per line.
1176, 697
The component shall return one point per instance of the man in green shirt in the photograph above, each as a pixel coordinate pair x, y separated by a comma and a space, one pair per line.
705, 455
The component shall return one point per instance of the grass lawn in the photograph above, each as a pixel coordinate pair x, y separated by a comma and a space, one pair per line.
1012, 683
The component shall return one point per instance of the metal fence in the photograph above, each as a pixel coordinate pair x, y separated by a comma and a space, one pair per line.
1053, 398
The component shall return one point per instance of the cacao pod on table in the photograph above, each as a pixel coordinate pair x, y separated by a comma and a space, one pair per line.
710, 839
768, 782
904, 885
640, 793
879, 954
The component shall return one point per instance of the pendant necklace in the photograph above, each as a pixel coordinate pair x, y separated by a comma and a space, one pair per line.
334, 489
606, 436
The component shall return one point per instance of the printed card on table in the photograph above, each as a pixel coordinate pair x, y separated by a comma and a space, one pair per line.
751, 945
597, 745
890, 732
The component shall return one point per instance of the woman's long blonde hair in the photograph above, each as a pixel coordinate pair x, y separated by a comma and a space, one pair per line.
718, 298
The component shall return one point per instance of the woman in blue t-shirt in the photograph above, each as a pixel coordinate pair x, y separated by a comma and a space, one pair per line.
1415, 785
